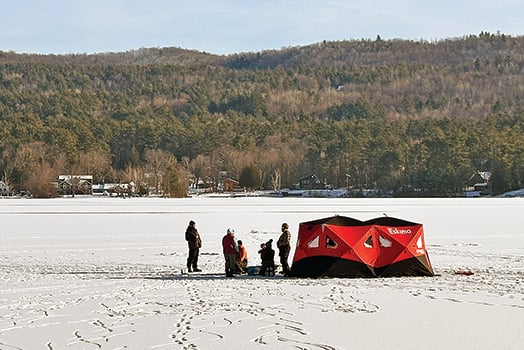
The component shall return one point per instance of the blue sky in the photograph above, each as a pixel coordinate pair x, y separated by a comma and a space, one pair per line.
227, 26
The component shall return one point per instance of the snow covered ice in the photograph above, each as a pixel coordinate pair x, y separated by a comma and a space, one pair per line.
104, 273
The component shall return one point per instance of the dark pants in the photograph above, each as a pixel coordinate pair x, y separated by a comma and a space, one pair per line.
284, 254
268, 268
192, 259
230, 264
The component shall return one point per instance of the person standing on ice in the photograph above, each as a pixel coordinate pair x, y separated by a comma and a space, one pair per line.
230, 249
195, 243
284, 246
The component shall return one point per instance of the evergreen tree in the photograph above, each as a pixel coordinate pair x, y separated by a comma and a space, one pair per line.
250, 178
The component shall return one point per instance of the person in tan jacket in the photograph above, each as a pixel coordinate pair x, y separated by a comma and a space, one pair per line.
284, 247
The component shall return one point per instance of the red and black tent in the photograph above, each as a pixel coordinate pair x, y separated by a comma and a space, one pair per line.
340, 246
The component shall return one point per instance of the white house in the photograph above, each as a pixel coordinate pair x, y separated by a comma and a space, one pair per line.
4, 190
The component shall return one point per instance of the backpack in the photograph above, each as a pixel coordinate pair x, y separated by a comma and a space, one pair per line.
189, 235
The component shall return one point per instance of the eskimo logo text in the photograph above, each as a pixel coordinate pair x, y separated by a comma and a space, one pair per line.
396, 231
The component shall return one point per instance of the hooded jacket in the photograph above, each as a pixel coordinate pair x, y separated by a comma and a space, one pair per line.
193, 238
229, 245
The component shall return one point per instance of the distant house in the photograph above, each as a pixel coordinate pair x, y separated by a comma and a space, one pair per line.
75, 185
311, 182
479, 184
115, 189
225, 183
4, 190
480, 176
229, 184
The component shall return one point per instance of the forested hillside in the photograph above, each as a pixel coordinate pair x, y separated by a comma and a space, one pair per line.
412, 117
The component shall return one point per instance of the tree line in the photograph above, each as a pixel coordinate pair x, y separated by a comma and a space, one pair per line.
410, 117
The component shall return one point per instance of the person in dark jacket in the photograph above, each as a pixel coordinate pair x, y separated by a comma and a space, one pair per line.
194, 243
284, 246
267, 255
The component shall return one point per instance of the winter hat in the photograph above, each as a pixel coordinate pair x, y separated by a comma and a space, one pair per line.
191, 222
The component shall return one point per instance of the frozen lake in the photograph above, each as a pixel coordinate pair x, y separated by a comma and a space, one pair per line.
82, 273
158, 224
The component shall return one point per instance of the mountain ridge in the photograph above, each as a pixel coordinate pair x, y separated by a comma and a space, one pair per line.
325, 53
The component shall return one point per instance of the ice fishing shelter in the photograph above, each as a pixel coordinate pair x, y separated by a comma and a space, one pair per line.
340, 246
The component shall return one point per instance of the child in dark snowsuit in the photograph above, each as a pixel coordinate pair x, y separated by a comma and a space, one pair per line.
267, 254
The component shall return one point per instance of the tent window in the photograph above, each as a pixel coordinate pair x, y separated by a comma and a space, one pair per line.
384, 242
315, 243
331, 243
369, 242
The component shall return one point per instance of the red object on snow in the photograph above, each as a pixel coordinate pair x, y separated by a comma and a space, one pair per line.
340, 246
464, 272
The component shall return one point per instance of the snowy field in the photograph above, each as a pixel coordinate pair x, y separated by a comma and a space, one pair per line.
105, 273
